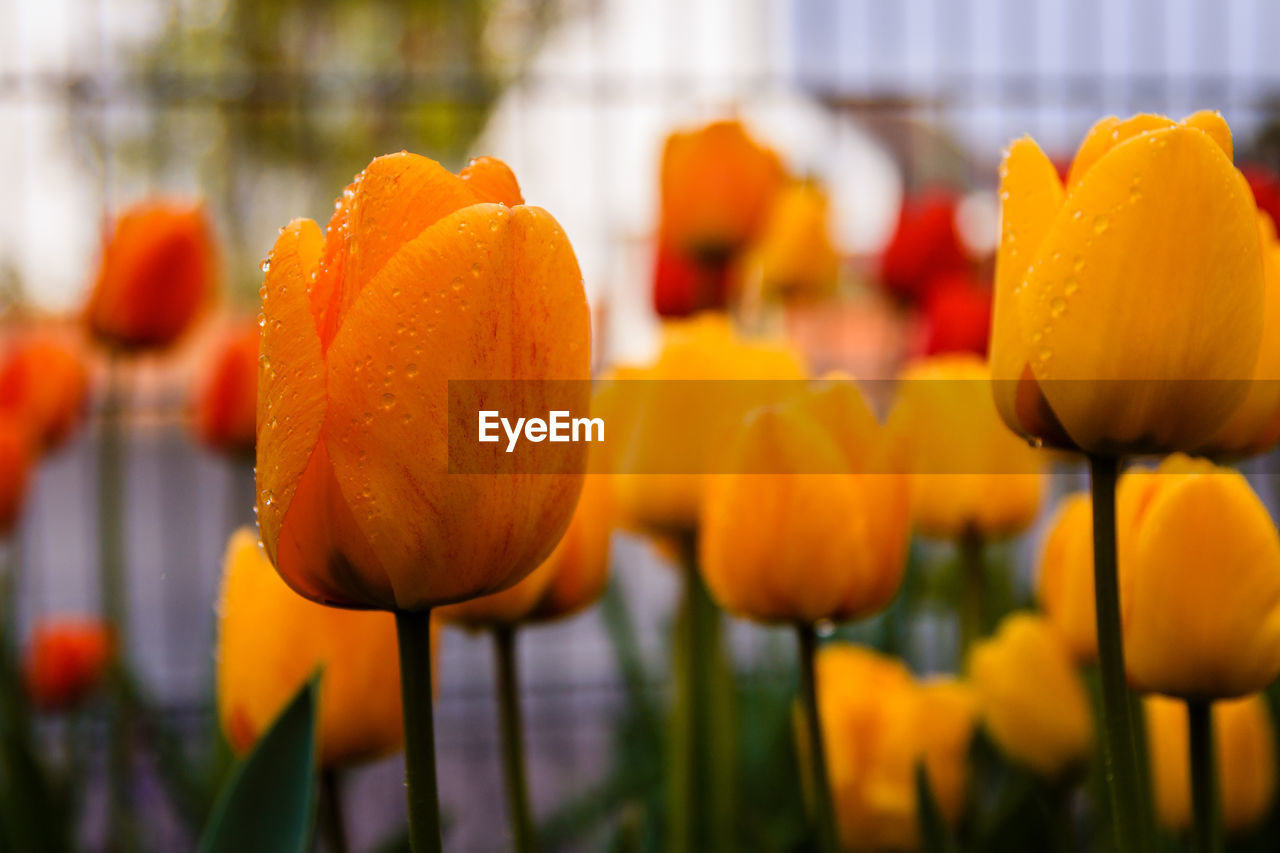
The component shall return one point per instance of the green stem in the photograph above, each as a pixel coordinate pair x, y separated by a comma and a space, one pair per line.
122, 830
972, 593
824, 811
1120, 747
701, 786
504, 647
413, 630
333, 823
1206, 833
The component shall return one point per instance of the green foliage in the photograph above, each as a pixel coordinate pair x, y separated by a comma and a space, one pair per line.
269, 803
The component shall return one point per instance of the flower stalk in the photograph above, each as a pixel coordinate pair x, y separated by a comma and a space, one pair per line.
413, 630
824, 809
1206, 832
1120, 741
510, 718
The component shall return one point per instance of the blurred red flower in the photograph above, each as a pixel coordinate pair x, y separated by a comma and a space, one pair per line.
957, 314
924, 246
15, 463
683, 285
66, 659
43, 381
225, 407
1266, 189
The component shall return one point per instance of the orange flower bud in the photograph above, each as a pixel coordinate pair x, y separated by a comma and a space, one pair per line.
420, 279
878, 724
676, 430
571, 579
15, 462
43, 381
65, 661
717, 185
226, 401
1065, 579
271, 640
795, 257
823, 534
970, 475
155, 276
1244, 740
1034, 702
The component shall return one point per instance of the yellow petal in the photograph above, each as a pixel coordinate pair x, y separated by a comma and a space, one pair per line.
1030, 196
482, 275
1107, 134
291, 388
1203, 616
1143, 306
1065, 584
1212, 123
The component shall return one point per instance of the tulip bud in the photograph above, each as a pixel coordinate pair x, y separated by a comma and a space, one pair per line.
1129, 306
1065, 577
1244, 742
15, 463
717, 185
226, 401
1034, 703
44, 383
677, 430
65, 661
271, 640
1200, 582
823, 534
878, 724
795, 257
970, 475
423, 277
155, 276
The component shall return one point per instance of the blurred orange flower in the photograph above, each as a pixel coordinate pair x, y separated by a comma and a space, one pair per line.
44, 382
717, 185
422, 277
66, 659
155, 275
795, 257
15, 463
226, 401
270, 640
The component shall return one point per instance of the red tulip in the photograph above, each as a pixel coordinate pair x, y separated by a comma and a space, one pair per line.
924, 246
65, 661
957, 312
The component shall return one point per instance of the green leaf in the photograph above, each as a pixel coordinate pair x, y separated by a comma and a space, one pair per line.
269, 803
934, 834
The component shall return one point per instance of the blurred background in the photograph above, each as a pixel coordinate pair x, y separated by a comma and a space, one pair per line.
265, 108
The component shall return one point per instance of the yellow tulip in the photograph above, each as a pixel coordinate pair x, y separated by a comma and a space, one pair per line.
1065, 577
878, 724
1034, 703
677, 427
795, 258
571, 579
1244, 741
1255, 426
822, 532
1129, 304
423, 277
1200, 582
270, 640
970, 476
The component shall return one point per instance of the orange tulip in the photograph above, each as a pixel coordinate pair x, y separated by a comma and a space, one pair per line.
1065, 578
65, 661
15, 462
271, 640
44, 382
795, 257
423, 277
155, 276
821, 535
226, 402
717, 185
571, 579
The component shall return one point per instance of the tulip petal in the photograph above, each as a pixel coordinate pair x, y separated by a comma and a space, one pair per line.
485, 273
492, 180
1065, 585
1031, 196
291, 385
394, 199
1143, 305
1203, 619
1107, 134
1212, 123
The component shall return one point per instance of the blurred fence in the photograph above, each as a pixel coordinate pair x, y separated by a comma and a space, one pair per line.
267, 108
